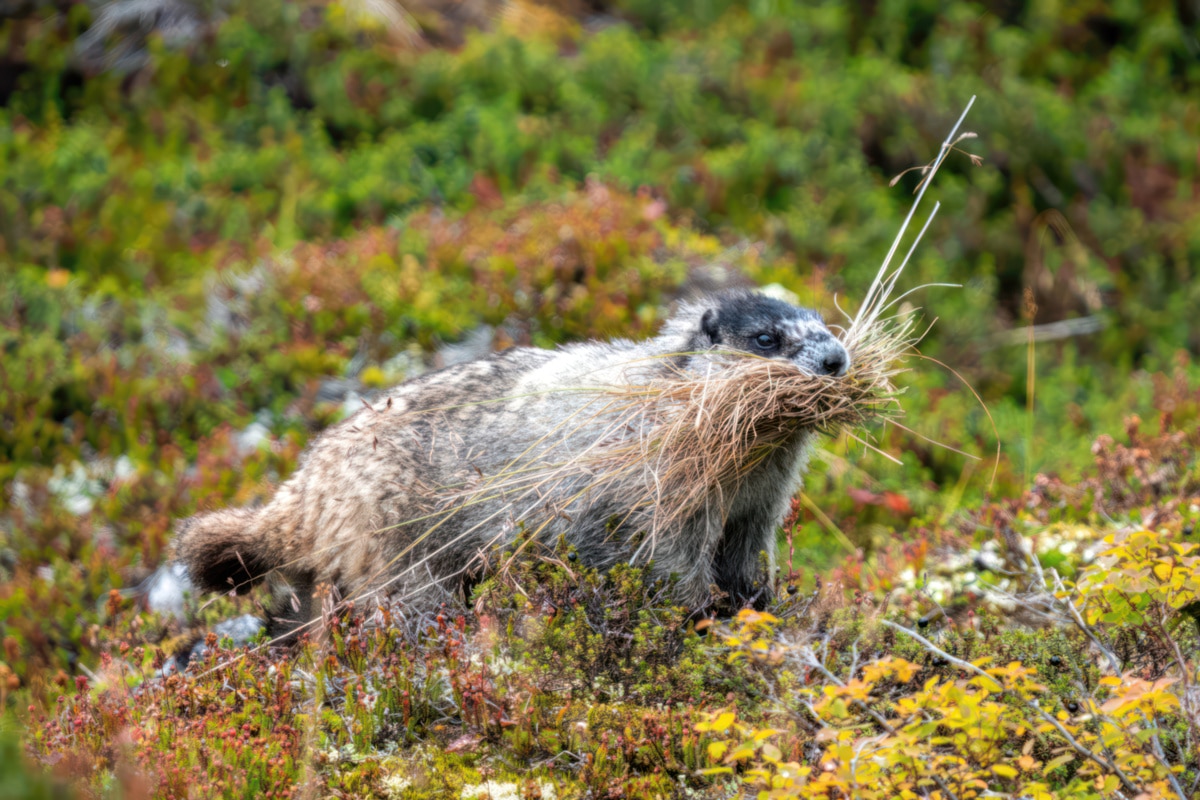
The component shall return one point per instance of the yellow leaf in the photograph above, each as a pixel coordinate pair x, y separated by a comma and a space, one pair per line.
1055, 763
765, 733
723, 722
716, 750
1162, 571
718, 725
903, 670
1163, 683
740, 753
717, 771
1004, 770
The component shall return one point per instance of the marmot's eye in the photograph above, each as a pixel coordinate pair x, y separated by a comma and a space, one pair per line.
765, 341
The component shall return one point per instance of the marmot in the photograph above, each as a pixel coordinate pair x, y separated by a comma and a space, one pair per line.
408, 495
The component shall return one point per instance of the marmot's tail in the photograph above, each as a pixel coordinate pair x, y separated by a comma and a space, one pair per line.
225, 550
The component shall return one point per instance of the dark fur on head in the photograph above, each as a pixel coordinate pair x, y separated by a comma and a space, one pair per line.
768, 327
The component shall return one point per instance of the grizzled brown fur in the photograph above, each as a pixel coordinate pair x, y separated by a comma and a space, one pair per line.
409, 495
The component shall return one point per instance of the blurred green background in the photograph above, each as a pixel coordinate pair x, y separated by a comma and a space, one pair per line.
219, 219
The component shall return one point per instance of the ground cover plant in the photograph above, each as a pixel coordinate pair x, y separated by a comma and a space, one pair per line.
212, 243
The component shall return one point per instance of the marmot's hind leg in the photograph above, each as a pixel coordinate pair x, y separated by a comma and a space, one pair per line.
291, 611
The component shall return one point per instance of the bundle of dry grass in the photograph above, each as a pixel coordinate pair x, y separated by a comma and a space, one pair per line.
686, 438
704, 433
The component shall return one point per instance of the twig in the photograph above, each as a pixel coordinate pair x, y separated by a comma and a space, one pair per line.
1187, 696
1152, 727
1050, 331
1077, 618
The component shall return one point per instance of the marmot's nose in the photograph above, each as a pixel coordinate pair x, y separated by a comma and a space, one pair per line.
835, 359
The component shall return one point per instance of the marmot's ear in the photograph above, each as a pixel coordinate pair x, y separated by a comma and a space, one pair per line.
708, 326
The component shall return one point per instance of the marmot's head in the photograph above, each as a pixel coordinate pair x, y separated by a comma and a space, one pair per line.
764, 326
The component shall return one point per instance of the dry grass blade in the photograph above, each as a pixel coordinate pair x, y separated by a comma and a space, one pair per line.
881, 288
